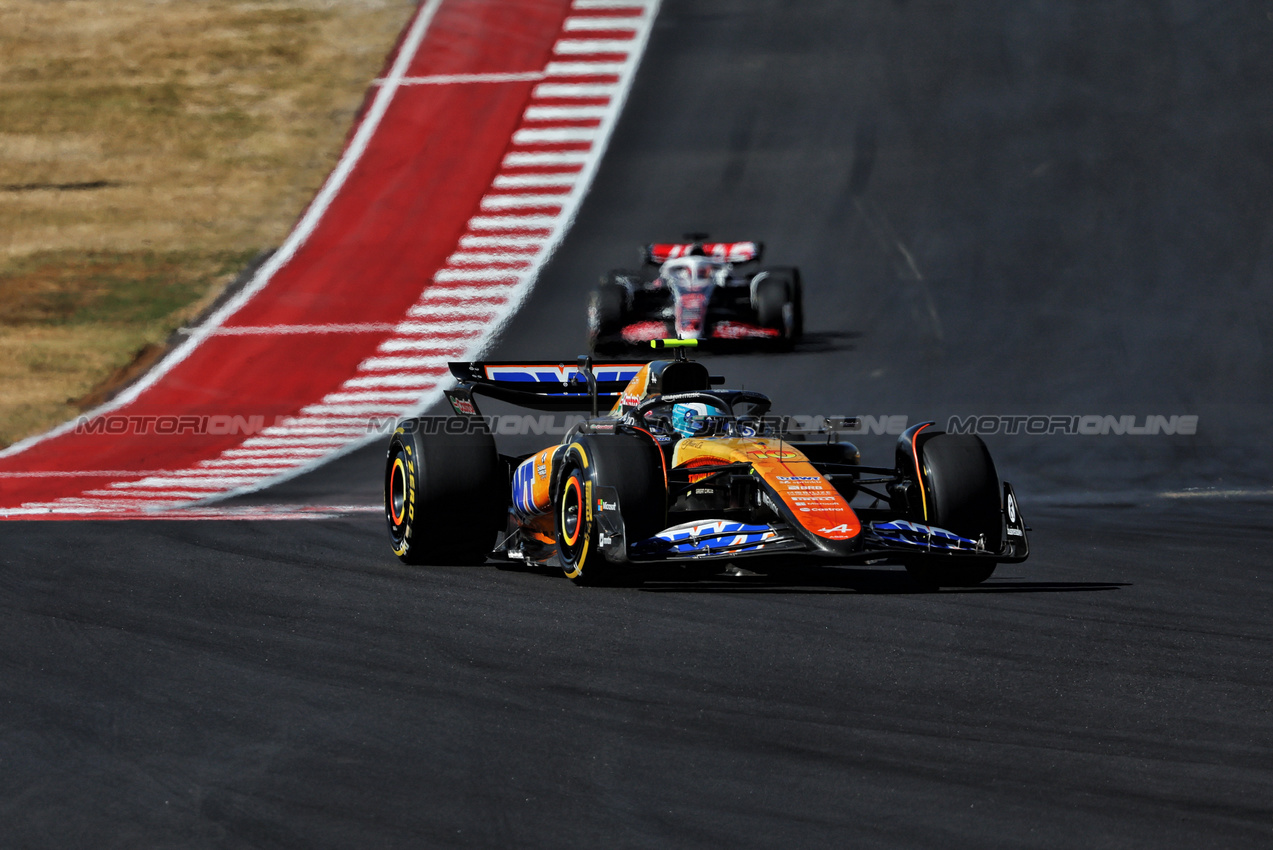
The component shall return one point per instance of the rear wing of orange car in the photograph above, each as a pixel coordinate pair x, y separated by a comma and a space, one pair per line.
545, 385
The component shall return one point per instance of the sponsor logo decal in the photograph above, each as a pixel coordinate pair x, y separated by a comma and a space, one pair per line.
463, 406
539, 373
1014, 525
717, 534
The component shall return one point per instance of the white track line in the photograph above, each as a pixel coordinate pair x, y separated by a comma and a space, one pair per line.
542, 158
562, 113
582, 69
513, 202
550, 135
565, 90
530, 243
427, 346
448, 79
581, 22
398, 379
571, 46
512, 222
275, 330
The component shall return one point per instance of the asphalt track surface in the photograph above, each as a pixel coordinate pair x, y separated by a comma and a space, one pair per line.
1002, 208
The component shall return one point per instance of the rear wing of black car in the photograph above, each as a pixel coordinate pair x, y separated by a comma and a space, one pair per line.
731, 252
547, 385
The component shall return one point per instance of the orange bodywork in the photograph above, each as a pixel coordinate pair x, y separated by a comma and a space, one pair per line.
816, 505
634, 392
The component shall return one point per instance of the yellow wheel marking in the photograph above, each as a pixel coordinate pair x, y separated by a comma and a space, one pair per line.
572, 483
393, 478
585, 506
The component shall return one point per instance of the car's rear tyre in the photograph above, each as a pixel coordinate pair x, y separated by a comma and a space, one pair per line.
776, 307
445, 494
795, 297
629, 466
606, 307
961, 494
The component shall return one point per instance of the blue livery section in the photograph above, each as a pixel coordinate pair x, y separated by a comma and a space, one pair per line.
710, 536
901, 532
523, 480
539, 373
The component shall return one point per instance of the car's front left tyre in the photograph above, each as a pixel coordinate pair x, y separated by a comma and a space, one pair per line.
630, 468
577, 545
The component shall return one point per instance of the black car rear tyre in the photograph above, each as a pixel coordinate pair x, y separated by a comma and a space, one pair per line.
606, 307
445, 494
775, 308
795, 297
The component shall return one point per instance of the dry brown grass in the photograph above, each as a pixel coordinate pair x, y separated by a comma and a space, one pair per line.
147, 149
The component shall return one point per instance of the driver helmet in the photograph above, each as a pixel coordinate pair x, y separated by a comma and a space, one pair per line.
696, 418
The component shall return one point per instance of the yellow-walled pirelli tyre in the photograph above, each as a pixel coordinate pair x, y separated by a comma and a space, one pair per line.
630, 467
446, 491
577, 544
961, 494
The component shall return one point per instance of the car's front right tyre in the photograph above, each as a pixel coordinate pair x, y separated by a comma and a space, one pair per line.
961, 494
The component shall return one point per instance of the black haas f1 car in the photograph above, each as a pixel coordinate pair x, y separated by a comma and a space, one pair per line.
697, 290
679, 471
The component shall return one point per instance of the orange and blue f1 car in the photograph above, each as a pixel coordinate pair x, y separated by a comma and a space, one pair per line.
681, 471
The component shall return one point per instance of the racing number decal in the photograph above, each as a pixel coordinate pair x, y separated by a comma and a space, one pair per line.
773, 454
